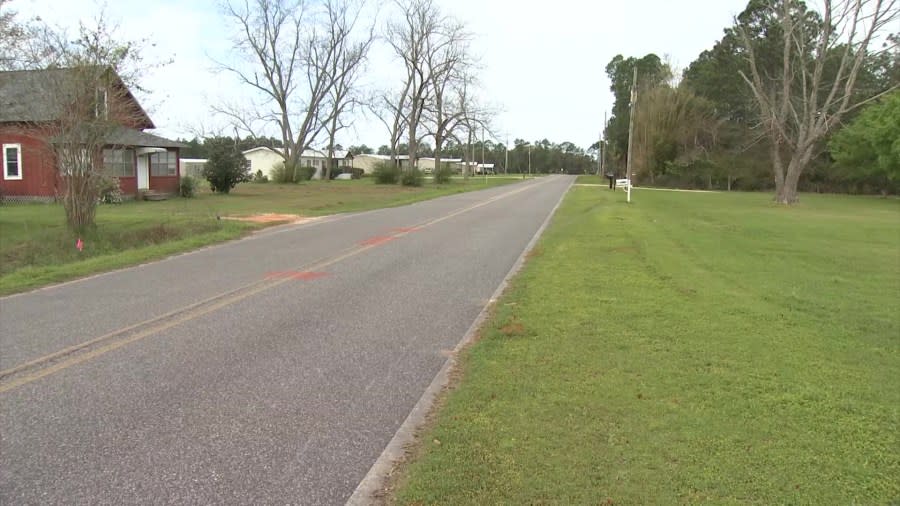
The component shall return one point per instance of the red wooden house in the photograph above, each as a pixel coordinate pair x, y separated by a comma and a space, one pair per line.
33, 102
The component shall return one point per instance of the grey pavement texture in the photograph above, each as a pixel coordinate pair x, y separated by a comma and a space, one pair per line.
285, 396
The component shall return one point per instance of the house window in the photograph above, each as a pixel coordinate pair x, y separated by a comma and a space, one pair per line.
101, 104
12, 161
118, 162
163, 164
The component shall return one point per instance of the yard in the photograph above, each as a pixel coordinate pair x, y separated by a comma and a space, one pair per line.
690, 347
37, 249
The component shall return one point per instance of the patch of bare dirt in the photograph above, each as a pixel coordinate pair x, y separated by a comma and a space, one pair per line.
271, 218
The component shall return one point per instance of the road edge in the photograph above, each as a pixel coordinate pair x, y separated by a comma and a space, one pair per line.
374, 480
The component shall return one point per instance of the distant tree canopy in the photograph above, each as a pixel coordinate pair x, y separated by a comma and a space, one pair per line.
652, 72
546, 156
362, 149
201, 148
867, 151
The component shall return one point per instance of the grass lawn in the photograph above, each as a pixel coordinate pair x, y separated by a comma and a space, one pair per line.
37, 249
686, 348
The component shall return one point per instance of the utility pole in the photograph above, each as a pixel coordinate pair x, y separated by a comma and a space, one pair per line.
602, 147
469, 159
628, 166
506, 154
483, 169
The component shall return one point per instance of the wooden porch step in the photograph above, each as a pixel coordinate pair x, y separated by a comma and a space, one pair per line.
155, 195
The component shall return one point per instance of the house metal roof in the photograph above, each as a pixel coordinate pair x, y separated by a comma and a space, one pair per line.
384, 157
41, 95
307, 153
123, 136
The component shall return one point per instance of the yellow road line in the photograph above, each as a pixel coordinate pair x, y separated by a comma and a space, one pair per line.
193, 311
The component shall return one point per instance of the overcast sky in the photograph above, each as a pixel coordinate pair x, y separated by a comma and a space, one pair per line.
543, 62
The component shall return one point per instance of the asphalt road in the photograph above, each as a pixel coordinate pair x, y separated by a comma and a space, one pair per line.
270, 370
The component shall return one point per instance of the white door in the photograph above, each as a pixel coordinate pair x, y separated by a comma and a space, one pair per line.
143, 172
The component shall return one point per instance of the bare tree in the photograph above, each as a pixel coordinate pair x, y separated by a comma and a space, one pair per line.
469, 115
344, 69
291, 57
448, 61
12, 36
413, 38
814, 87
28, 44
390, 108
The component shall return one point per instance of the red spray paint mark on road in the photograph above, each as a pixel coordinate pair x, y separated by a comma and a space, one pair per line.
404, 230
297, 275
377, 240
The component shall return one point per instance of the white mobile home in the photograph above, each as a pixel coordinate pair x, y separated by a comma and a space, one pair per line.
192, 167
426, 165
265, 159
368, 162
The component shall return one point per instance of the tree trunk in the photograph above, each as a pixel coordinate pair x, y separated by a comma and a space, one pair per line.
788, 193
413, 148
778, 170
80, 202
438, 140
292, 163
799, 160
466, 159
328, 163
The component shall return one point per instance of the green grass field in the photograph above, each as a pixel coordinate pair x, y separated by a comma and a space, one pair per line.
689, 347
36, 248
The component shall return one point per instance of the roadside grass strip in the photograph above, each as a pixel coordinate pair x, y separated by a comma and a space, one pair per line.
685, 348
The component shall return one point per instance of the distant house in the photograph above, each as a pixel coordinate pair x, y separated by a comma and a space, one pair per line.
192, 167
368, 162
265, 159
426, 165
33, 101
475, 167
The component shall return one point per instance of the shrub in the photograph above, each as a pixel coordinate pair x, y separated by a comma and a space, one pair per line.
225, 167
187, 187
285, 173
259, 177
412, 177
386, 173
281, 175
305, 173
443, 174
356, 173
110, 191
343, 169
